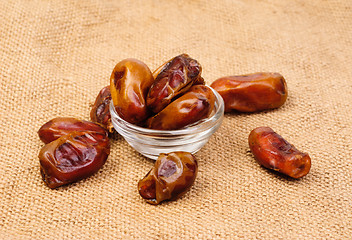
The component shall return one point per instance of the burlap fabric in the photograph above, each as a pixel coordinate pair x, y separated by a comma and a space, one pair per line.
55, 56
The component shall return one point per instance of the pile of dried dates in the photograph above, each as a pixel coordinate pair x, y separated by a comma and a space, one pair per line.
172, 97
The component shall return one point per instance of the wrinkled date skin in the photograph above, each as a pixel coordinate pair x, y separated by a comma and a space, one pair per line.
130, 82
73, 157
172, 79
172, 175
194, 105
61, 126
274, 152
252, 92
100, 111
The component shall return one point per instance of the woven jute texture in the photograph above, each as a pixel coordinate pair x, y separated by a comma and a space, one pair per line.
55, 56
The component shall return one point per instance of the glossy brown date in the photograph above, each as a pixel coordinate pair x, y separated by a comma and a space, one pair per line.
172, 79
274, 152
129, 84
100, 111
252, 92
194, 105
73, 157
172, 175
61, 126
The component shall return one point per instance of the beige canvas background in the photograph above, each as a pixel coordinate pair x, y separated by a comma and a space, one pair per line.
55, 56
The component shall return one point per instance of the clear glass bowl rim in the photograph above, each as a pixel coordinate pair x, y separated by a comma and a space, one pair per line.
193, 128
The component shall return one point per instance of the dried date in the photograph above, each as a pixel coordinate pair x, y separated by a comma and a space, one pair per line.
194, 105
172, 79
172, 175
252, 92
61, 126
100, 111
129, 84
274, 152
73, 157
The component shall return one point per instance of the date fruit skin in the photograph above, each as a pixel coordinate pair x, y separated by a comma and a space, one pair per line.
172, 175
62, 126
130, 82
194, 105
100, 111
274, 152
172, 79
252, 92
73, 157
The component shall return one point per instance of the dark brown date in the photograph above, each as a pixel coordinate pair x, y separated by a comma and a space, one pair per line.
100, 111
73, 157
172, 79
194, 105
172, 175
129, 84
61, 126
274, 152
252, 92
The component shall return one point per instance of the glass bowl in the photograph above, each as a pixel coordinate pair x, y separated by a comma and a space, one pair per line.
151, 142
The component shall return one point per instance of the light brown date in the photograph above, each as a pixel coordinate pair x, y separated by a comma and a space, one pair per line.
129, 84
194, 105
73, 157
252, 92
172, 175
61, 126
172, 79
274, 152
100, 111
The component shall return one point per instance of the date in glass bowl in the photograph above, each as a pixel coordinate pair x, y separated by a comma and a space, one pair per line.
151, 142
